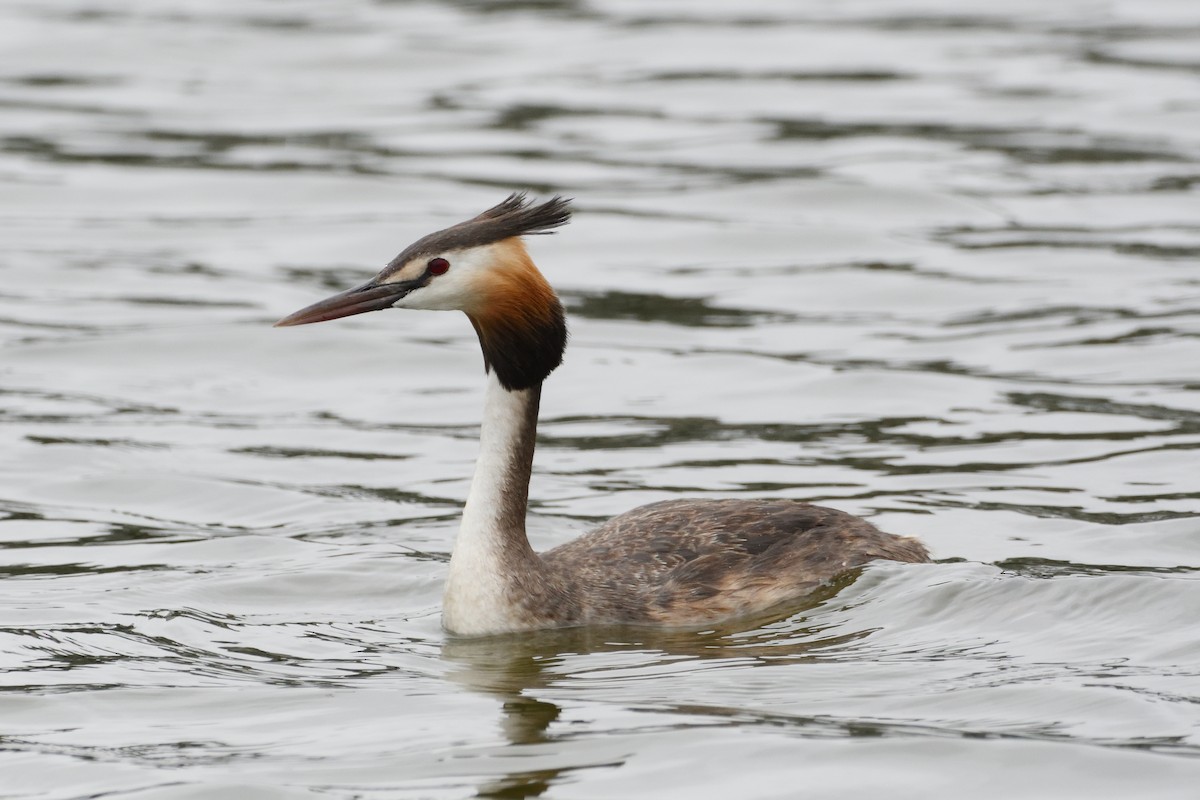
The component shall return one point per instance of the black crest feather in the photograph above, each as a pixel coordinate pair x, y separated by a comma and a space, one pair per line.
514, 216
517, 216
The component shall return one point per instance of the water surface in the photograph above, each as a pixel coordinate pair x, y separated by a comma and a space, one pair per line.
932, 263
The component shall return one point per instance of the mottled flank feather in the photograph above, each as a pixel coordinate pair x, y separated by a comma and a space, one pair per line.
691, 562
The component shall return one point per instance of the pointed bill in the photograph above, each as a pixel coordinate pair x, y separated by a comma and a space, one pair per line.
359, 300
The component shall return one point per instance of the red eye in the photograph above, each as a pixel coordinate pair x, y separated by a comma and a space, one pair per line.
438, 266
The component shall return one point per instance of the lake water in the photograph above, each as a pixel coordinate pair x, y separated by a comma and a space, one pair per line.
934, 263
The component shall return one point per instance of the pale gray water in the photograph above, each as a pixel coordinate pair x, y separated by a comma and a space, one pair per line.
930, 262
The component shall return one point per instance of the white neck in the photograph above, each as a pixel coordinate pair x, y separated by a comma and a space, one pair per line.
492, 552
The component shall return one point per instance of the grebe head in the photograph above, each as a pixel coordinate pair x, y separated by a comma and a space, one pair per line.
479, 267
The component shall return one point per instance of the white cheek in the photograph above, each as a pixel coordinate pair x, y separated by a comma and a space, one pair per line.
443, 293
452, 291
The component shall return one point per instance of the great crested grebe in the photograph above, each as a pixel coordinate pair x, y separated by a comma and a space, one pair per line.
673, 563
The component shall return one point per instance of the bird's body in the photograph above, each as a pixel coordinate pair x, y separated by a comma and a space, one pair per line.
694, 562
673, 563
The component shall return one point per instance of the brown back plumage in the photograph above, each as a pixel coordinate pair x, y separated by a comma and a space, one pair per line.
692, 562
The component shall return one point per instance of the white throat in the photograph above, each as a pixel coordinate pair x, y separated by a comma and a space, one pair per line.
492, 551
